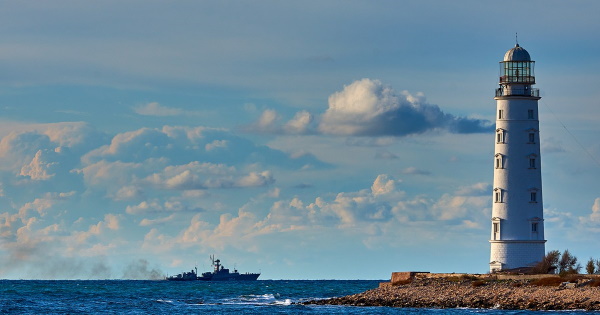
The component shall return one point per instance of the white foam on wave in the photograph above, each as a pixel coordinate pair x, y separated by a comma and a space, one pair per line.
284, 302
258, 299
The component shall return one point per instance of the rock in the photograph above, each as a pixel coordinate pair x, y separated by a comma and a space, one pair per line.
452, 293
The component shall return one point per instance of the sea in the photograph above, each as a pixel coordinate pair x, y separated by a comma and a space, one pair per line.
197, 297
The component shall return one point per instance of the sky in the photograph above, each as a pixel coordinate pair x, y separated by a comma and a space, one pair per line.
304, 140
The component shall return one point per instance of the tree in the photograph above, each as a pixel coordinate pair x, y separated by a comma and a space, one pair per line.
598, 265
568, 263
590, 267
548, 264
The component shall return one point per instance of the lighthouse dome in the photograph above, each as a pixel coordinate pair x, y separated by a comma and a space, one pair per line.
517, 53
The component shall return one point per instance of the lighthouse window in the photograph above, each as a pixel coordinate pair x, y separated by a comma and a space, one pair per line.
533, 196
499, 161
531, 137
517, 71
500, 135
530, 114
534, 227
531, 162
498, 195
500, 114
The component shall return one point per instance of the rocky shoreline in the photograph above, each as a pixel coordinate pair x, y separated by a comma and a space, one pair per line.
462, 292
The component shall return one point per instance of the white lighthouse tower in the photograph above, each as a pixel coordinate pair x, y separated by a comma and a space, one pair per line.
517, 238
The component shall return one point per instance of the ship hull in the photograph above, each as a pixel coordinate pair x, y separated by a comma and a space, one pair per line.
231, 277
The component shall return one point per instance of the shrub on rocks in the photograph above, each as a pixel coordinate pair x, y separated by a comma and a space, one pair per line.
590, 267
548, 264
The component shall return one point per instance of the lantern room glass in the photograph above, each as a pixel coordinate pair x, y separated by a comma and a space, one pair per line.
520, 72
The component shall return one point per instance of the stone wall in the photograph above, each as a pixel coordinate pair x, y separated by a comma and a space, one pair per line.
407, 275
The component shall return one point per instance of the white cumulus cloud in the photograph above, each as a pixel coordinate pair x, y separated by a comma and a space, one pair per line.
369, 108
38, 168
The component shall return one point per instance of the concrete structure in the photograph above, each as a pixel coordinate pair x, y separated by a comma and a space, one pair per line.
517, 236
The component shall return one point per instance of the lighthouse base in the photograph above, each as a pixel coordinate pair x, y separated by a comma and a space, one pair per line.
515, 254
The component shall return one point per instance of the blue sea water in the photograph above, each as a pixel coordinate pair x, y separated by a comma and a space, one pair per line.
197, 297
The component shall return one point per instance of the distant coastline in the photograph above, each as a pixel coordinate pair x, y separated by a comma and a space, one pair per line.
548, 292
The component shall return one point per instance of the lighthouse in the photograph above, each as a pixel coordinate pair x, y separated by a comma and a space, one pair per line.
517, 227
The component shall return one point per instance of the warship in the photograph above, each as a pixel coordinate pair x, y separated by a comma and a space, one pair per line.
220, 273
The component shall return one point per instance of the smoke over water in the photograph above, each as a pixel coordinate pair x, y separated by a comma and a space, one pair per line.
139, 270
40, 263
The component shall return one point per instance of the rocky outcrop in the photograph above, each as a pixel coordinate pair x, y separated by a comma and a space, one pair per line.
476, 293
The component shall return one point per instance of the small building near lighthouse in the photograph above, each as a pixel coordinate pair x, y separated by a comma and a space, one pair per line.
517, 225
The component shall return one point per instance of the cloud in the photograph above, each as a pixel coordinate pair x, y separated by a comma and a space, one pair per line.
118, 179
156, 206
112, 221
39, 168
31, 245
414, 171
370, 142
79, 238
375, 216
595, 216
368, 108
76, 135
155, 109
385, 155
47, 153
16, 147
479, 189
232, 230
43, 204
383, 185
452, 207
216, 144
267, 120
300, 124
270, 122
129, 193
592, 220
181, 145
255, 179
148, 222
196, 175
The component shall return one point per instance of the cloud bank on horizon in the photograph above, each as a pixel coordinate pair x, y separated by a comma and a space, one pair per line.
280, 136
156, 180
159, 191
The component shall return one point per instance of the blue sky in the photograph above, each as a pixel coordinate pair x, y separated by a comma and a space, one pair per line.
307, 140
